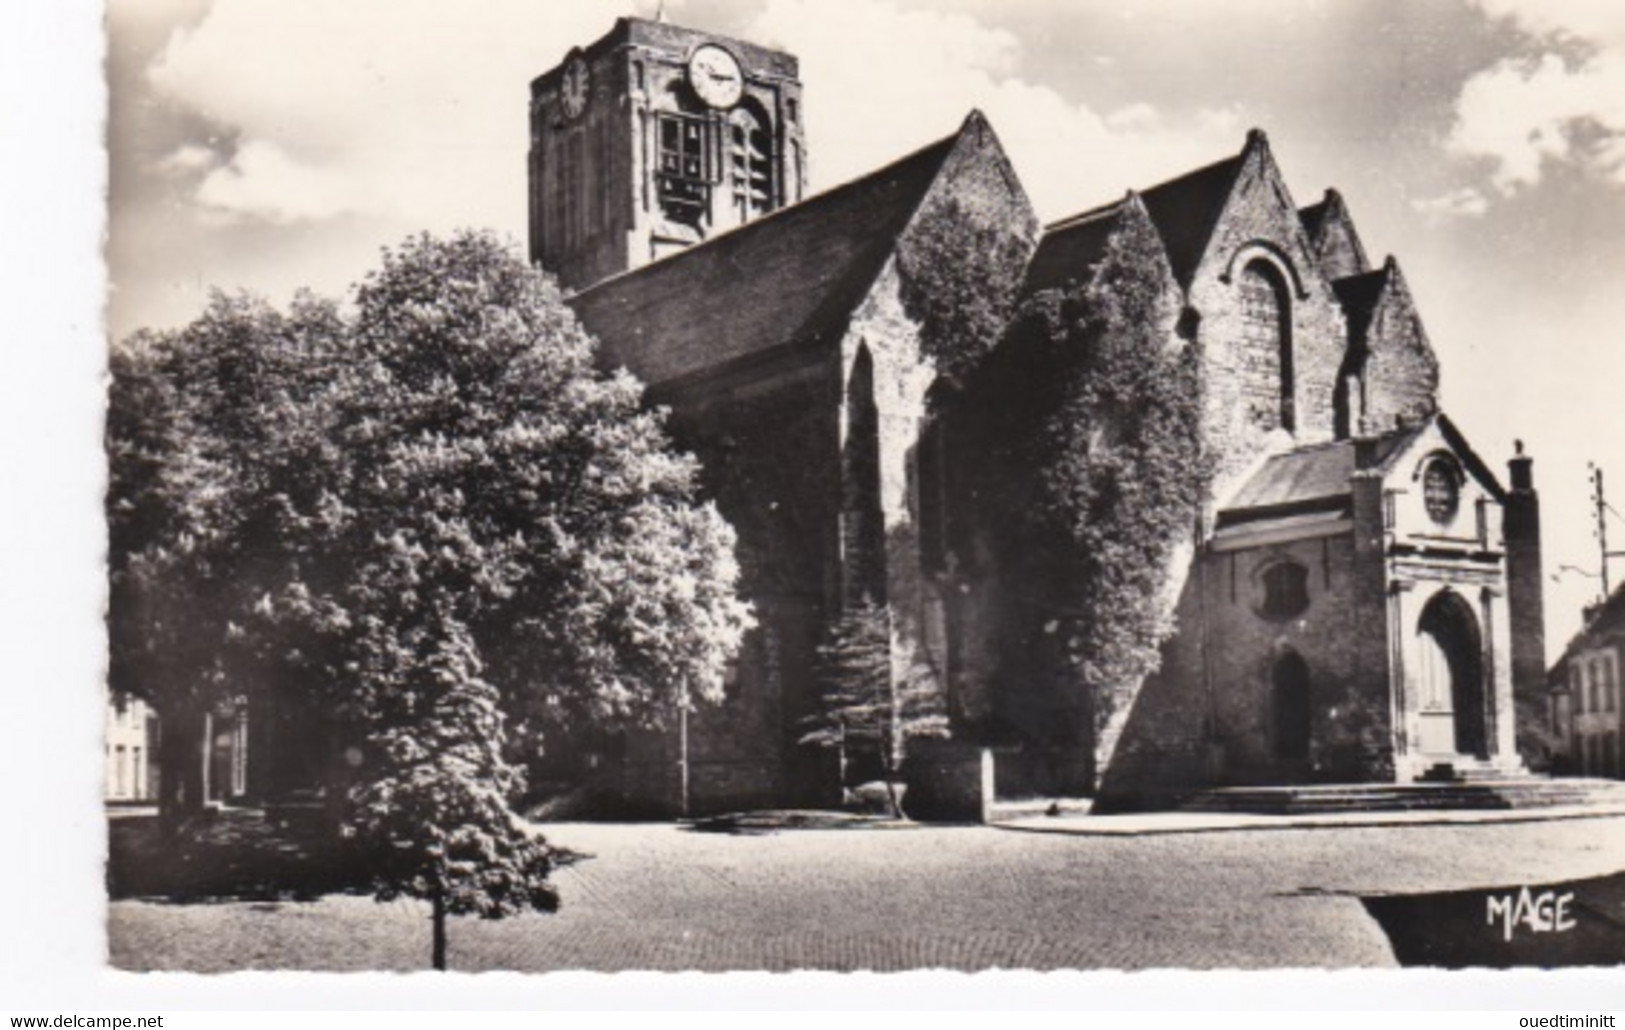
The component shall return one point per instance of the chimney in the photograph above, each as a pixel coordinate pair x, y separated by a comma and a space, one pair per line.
1522, 469
1520, 527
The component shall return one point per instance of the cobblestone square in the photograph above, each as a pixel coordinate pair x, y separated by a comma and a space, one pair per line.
662, 897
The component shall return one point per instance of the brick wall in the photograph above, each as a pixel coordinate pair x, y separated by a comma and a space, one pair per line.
1400, 377
1337, 245
1260, 223
1207, 717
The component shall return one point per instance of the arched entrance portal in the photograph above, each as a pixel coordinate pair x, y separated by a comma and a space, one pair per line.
1452, 673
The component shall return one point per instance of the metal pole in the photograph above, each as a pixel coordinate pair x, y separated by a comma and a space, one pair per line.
1602, 527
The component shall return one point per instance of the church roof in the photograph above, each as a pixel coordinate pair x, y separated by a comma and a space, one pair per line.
1359, 294
787, 278
1314, 216
1186, 210
1308, 478
1071, 248
1306, 474
1316, 477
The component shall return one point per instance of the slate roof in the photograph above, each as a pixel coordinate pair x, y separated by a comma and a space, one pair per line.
1186, 210
1358, 294
789, 278
1314, 216
1310, 477
1071, 248
1316, 477
1604, 624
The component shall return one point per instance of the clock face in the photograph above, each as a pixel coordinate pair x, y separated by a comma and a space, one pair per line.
715, 76
575, 87
1441, 491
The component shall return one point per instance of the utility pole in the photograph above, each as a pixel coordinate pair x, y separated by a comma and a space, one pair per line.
1599, 502
1601, 506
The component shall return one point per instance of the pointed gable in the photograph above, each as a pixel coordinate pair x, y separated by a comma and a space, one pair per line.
1333, 238
790, 278
1388, 351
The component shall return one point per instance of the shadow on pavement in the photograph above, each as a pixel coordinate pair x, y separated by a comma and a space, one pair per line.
1575, 923
761, 823
239, 855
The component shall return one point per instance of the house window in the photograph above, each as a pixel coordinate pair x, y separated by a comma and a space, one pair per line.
1286, 590
1266, 338
683, 177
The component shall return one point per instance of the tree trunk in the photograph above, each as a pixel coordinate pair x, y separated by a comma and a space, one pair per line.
888, 771
183, 766
438, 956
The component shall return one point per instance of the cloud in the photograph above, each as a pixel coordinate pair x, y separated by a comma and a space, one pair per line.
1521, 114
1466, 201
884, 81
189, 158
1599, 22
411, 110
261, 181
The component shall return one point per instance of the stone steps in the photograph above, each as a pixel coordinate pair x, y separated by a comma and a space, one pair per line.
1481, 794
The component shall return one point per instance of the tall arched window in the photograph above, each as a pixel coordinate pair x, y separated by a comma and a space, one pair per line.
931, 463
863, 530
1266, 339
750, 152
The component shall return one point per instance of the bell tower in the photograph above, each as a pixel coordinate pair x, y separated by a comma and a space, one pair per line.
655, 138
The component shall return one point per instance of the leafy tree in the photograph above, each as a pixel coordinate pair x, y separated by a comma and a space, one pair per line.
863, 707
470, 530
209, 433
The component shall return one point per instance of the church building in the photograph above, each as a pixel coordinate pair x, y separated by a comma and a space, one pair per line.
1358, 598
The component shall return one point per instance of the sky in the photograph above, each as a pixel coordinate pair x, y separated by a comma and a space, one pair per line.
273, 144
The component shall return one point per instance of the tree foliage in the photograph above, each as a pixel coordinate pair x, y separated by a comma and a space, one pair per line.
432, 521
960, 272
863, 706
1125, 475
211, 432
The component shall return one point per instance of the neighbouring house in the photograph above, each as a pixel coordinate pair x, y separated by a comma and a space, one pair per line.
130, 738
1587, 712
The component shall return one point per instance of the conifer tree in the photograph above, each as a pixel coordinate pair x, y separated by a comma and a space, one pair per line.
862, 707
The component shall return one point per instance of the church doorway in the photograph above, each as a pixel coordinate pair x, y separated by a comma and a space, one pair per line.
1452, 677
1290, 709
